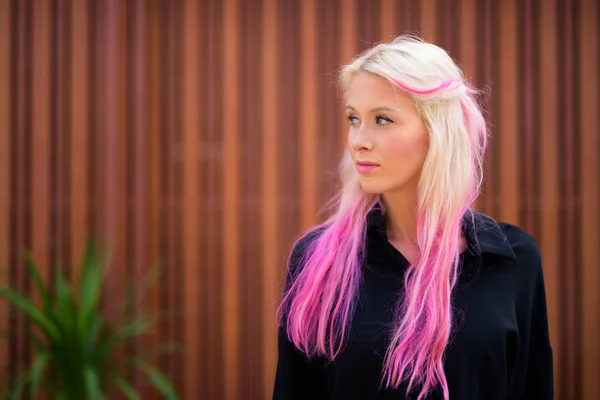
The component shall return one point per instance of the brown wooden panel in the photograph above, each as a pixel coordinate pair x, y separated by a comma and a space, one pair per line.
331, 125
39, 161
170, 217
528, 124
347, 12
6, 172
59, 135
387, 26
154, 177
270, 263
232, 261
467, 55
121, 233
549, 199
506, 118
212, 215
429, 28
486, 42
568, 215
308, 115
41, 143
192, 135
107, 132
79, 122
20, 130
137, 205
251, 152
589, 177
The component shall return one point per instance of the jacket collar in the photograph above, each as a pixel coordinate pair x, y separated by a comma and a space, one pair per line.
484, 235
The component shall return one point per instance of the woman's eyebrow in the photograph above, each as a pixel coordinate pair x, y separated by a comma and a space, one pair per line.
376, 109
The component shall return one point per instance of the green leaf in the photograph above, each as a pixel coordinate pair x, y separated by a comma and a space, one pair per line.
92, 384
36, 372
90, 337
127, 389
91, 282
158, 380
31, 311
65, 306
37, 279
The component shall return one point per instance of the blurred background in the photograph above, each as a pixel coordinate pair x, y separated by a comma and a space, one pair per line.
205, 135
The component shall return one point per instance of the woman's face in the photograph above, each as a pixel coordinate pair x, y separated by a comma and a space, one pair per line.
387, 139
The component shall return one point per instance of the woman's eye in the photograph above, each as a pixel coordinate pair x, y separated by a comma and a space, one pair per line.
352, 119
383, 120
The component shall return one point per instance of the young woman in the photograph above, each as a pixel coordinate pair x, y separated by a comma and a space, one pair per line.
406, 292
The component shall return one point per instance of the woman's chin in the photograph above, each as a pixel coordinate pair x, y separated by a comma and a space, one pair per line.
372, 187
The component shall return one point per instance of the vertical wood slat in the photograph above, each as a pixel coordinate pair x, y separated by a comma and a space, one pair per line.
467, 52
429, 20
212, 225
589, 172
204, 278
59, 136
231, 205
410, 17
137, 204
329, 129
548, 240
387, 28
18, 150
308, 118
250, 210
485, 78
347, 36
528, 128
507, 116
79, 144
41, 136
40, 140
270, 209
154, 178
107, 134
567, 218
6, 172
193, 333
170, 187
121, 234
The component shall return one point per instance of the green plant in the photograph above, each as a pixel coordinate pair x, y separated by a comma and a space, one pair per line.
79, 353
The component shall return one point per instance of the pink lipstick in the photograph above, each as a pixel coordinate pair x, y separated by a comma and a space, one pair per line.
364, 167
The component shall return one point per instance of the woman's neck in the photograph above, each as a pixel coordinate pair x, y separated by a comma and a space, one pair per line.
401, 216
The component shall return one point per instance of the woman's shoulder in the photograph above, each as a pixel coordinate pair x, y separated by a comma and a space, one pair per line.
510, 240
522, 242
507, 239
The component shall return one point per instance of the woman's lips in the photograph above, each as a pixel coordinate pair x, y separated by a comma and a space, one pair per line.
365, 167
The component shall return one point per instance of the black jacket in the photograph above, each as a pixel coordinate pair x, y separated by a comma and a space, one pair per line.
499, 348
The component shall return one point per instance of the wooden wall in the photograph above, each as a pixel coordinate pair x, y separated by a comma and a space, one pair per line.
206, 134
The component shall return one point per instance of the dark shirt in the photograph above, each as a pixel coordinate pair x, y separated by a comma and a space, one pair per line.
499, 347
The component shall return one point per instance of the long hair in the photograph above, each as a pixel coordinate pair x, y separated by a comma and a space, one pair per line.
320, 302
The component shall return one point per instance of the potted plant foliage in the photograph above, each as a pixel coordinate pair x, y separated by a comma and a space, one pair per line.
79, 353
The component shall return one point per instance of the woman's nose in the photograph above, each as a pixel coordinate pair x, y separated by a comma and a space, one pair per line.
360, 140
